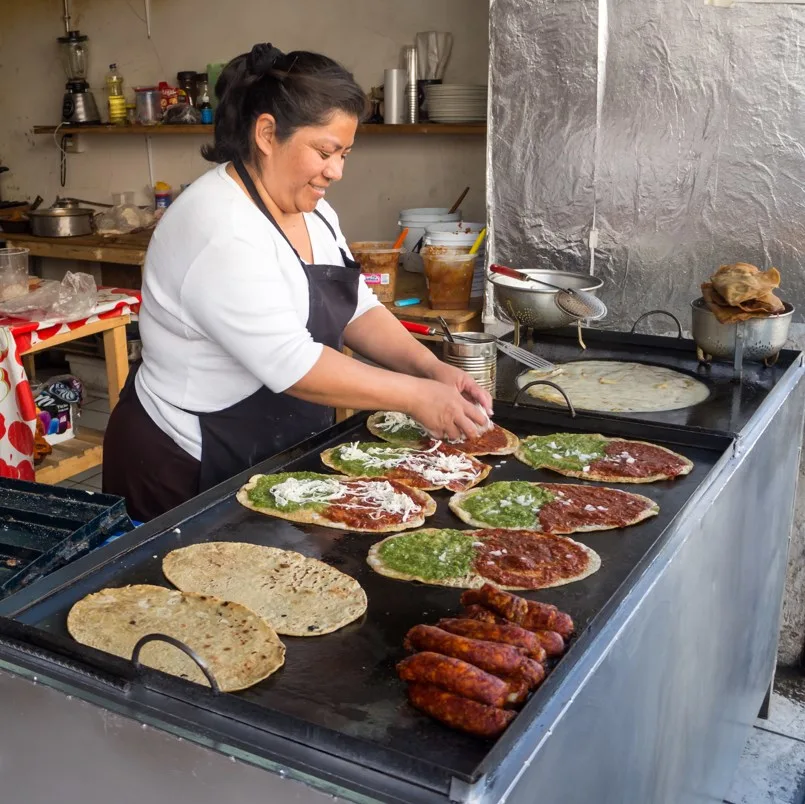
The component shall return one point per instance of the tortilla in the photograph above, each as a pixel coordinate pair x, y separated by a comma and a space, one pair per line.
436, 467
365, 504
239, 647
512, 559
556, 508
619, 387
596, 457
296, 595
397, 428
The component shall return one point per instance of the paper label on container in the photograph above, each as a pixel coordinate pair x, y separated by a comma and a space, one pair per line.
377, 279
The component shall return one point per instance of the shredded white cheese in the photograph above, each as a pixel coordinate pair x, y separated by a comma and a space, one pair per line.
393, 422
439, 468
376, 497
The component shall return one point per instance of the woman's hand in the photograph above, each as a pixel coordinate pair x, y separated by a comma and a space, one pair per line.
462, 382
442, 409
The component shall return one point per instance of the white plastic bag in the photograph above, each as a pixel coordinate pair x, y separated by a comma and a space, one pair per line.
71, 299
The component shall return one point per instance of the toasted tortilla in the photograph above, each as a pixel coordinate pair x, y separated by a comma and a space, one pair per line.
619, 387
239, 647
415, 435
647, 508
472, 579
525, 456
296, 595
313, 517
410, 477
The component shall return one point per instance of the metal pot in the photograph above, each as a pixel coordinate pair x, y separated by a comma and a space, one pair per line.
762, 338
61, 221
534, 306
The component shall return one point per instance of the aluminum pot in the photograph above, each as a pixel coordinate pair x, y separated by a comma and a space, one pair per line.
69, 220
763, 338
534, 306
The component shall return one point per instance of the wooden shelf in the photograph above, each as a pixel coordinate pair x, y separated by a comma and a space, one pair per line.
378, 129
72, 457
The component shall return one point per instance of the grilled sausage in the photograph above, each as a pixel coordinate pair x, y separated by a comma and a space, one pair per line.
518, 691
459, 713
510, 606
500, 660
541, 619
533, 673
507, 634
552, 642
455, 676
525, 613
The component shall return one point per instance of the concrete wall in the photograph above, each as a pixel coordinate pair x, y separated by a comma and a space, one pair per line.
384, 174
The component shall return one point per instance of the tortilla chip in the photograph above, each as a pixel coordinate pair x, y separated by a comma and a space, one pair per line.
741, 291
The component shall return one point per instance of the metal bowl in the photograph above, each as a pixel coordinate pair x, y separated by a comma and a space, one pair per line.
534, 305
763, 337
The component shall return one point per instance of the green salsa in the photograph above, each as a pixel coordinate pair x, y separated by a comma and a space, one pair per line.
356, 467
507, 504
565, 451
261, 494
430, 555
406, 434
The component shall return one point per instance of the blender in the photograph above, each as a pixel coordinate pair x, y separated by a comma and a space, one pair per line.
79, 105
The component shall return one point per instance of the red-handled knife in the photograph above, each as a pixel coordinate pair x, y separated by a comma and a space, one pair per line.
420, 329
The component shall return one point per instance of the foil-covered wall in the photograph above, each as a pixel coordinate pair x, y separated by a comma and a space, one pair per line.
675, 130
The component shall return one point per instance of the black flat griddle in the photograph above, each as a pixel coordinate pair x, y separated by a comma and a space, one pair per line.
339, 693
730, 405
44, 527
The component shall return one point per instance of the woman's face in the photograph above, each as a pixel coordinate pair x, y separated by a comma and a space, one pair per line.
296, 173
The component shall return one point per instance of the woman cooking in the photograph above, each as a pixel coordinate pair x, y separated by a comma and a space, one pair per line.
250, 292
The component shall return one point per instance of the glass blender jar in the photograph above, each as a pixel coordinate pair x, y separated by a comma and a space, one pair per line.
79, 104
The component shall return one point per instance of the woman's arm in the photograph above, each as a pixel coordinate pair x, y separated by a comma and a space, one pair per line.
340, 381
379, 336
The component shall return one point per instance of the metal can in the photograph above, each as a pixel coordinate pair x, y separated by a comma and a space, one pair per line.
475, 353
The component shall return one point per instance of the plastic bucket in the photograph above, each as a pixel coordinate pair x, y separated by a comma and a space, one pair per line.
449, 278
378, 261
416, 220
458, 238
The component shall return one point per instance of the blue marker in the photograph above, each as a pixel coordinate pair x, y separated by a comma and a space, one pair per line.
406, 302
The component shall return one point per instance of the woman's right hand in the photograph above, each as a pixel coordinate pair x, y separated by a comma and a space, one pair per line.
445, 413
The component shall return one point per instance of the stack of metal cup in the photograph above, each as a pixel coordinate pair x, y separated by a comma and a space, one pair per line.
476, 353
410, 59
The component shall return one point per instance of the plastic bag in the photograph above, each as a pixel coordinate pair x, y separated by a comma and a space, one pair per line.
123, 219
71, 299
182, 113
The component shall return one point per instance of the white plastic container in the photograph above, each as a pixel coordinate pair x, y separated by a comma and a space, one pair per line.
416, 221
461, 236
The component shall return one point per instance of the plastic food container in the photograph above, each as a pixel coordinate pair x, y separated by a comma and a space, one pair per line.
147, 105
379, 263
13, 273
449, 278
416, 220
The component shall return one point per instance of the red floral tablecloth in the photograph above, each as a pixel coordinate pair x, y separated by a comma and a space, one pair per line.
17, 407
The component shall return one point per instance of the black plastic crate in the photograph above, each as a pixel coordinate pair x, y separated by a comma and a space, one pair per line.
45, 527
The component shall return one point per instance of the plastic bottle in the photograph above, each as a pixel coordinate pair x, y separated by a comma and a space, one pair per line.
162, 195
115, 97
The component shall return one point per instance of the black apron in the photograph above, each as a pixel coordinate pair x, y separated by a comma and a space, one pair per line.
265, 423
145, 466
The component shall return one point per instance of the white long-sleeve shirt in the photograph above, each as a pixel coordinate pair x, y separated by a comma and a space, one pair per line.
225, 305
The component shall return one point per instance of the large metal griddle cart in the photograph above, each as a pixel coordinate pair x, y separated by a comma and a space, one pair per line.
653, 701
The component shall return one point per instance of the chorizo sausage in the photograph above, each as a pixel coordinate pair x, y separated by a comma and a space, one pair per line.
512, 607
500, 660
518, 691
533, 673
540, 619
507, 634
553, 643
459, 713
455, 676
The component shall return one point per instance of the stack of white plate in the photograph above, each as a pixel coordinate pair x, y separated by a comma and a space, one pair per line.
456, 103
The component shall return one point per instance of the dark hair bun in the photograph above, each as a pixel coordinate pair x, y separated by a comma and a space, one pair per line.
262, 58
297, 89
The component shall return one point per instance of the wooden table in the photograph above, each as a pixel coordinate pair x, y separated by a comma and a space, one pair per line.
120, 249
86, 450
